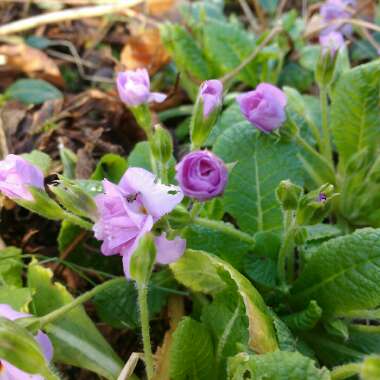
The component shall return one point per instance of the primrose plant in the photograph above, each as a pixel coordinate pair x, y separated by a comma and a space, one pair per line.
260, 220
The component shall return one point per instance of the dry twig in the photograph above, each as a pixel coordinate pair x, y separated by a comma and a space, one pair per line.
65, 15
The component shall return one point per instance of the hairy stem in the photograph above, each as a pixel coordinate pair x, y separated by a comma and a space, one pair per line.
287, 246
142, 297
326, 140
58, 313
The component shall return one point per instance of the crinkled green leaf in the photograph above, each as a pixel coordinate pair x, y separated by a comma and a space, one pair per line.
17, 298
117, 305
225, 317
230, 249
110, 166
10, 266
262, 162
355, 112
343, 274
75, 338
192, 352
279, 365
201, 272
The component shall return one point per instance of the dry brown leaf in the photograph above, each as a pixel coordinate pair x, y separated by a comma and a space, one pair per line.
159, 7
33, 62
144, 49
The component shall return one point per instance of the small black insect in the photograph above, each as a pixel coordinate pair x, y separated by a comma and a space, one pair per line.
132, 197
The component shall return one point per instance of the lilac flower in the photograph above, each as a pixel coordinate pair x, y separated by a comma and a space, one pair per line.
16, 175
202, 175
134, 88
169, 251
331, 42
264, 107
127, 211
211, 93
7, 370
333, 10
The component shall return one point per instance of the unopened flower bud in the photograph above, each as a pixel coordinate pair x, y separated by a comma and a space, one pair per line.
314, 206
330, 45
264, 107
75, 199
288, 194
143, 259
206, 111
202, 175
162, 144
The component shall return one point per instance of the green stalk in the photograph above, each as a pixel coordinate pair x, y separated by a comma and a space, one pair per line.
345, 371
228, 229
326, 140
287, 247
327, 173
142, 298
58, 313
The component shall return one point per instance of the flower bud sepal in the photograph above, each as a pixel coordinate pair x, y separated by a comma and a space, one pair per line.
314, 206
200, 126
288, 194
143, 118
325, 68
143, 259
42, 204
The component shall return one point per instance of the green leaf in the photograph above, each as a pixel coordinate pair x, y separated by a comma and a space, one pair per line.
230, 249
117, 305
279, 365
261, 265
140, 158
187, 55
201, 272
11, 266
355, 113
18, 347
227, 45
81, 255
17, 298
294, 75
343, 274
110, 166
305, 319
262, 162
75, 338
33, 91
230, 116
192, 352
332, 350
39, 159
225, 317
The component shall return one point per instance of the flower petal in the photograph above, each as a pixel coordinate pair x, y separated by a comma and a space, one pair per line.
157, 198
169, 251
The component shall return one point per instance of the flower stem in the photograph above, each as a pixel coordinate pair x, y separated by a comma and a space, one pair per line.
326, 140
226, 228
287, 246
324, 170
345, 371
58, 313
142, 297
